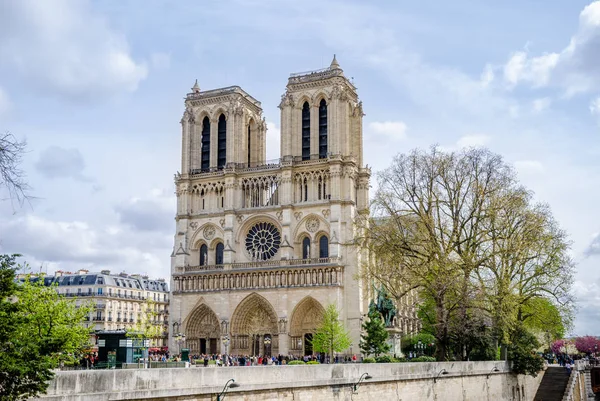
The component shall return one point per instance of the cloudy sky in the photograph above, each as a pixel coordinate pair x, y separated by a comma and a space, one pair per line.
97, 87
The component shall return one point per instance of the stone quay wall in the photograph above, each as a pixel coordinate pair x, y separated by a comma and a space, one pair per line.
394, 381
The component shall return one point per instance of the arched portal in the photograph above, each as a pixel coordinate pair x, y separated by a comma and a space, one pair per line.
254, 327
307, 316
202, 331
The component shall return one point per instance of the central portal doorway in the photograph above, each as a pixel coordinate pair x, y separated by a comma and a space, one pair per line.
308, 348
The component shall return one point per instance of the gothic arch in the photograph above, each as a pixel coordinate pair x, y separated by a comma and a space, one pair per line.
199, 239
217, 113
321, 95
202, 322
254, 315
302, 99
300, 231
306, 317
200, 114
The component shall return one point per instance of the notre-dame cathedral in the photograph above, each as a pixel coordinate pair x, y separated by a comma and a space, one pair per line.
262, 247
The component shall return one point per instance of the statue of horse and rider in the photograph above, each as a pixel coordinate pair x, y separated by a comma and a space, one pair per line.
385, 306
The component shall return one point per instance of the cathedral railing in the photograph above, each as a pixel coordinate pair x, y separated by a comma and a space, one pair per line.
268, 263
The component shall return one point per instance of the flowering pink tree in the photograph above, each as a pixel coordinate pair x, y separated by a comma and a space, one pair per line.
587, 344
557, 346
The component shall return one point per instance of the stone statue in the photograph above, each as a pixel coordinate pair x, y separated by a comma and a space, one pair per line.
385, 306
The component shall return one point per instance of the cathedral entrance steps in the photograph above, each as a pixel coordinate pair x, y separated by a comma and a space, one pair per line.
553, 385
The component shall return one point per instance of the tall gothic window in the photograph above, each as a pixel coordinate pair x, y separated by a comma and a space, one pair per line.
219, 254
306, 248
323, 129
305, 131
205, 139
203, 255
222, 142
324, 247
249, 143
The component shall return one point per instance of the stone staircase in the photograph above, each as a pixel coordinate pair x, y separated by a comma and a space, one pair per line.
553, 385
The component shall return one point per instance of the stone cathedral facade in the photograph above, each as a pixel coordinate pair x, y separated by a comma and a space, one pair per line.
262, 247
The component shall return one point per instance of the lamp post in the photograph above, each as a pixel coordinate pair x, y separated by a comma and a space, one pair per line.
230, 384
364, 376
179, 339
419, 348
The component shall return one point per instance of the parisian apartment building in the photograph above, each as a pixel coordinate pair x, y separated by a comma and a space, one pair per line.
120, 300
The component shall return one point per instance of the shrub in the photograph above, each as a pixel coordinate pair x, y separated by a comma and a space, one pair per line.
423, 359
212, 362
368, 360
384, 359
296, 363
313, 363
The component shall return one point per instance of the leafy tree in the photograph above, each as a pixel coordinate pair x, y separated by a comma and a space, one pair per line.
374, 341
39, 330
146, 329
331, 336
521, 351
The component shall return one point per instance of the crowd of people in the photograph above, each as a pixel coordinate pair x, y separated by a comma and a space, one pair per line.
246, 360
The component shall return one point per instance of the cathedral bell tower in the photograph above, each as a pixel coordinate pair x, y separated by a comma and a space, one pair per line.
261, 248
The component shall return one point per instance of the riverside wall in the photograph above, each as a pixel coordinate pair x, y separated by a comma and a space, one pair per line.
394, 381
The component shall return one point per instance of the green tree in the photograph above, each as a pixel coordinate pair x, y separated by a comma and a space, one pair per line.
147, 327
374, 341
521, 351
331, 336
39, 329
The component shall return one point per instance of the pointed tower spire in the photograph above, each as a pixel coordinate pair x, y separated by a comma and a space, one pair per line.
334, 64
196, 87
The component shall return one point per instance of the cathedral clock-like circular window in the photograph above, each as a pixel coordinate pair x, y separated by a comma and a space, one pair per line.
262, 241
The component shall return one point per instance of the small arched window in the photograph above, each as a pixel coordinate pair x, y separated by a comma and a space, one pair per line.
323, 129
222, 142
249, 144
306, 248
203, 255
305, 131
324, 247
219, 254
205, 139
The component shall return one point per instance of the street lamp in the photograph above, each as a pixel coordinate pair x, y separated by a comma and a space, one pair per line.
420, 348
442, 372
179, 339
364, 376
221, 395
494, 370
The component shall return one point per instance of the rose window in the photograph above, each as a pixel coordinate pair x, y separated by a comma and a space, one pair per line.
262, 241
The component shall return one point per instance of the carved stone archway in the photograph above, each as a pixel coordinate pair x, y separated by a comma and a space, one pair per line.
307, 316
254, 329
202, 331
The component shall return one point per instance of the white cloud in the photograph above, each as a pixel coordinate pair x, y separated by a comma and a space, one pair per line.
392, 130
154, 212
541, 104
71, 245
473, 141
487, 76
529, 166
575, 68
64, 46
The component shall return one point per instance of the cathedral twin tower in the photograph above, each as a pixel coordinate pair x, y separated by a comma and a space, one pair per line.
262, 247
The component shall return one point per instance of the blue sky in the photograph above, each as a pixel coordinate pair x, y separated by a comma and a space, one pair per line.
97, 87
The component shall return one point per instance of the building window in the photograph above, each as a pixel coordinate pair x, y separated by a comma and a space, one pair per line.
222, 142
165, 298
324, 247
109, 291
205, 140
305, 131
323, 129
98, 315
89, 291
203, 255
306, 248
79, 291
219, 253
